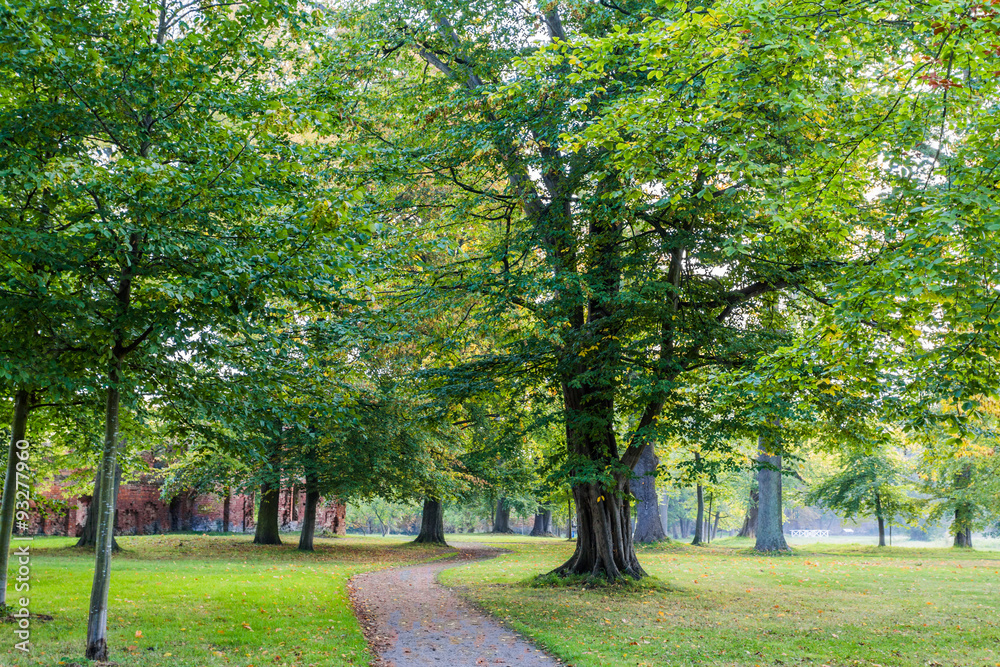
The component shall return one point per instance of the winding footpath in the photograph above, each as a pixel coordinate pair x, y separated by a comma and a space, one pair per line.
411, 620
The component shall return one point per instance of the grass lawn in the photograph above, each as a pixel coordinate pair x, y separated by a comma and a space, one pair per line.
828, 604
189, 600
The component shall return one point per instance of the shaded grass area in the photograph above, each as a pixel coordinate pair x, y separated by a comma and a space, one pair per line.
201, 600
833, 605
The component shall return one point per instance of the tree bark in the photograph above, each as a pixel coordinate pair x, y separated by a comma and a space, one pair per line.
963, 531
963, 512
501, 520
226, 511
104, 507
431, 523
88, 537
699, 522
749, 527
715, 527
309, 516
881, 520
267, 515
665, 513
569, 519
648, 526
18, 431
770, 534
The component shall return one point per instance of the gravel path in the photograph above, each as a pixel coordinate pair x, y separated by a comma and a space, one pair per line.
410, 619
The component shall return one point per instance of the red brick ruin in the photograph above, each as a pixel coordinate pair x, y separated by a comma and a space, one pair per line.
141, 511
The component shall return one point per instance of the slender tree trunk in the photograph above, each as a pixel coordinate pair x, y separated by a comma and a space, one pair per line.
431, 523
648, 527
881, 520
699, 522
18, 432
309, 516
963, 512
715, 528
267, 515
749, 528
104, 507
707, 535
665, 514
569, 519
226, 510
501, 521
770, 534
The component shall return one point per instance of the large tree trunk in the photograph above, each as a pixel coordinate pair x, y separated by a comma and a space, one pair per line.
226, 511
648, 526
309, 517
268, 514
18, 431
543, 523
501, 519
699, 522
431, 523
963, 529
604, 546
749, 527
770, 534
881, 520
103, 505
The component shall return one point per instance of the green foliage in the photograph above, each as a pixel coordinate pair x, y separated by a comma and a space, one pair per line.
876, 484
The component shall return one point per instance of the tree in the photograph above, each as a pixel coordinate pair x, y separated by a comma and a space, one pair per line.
188, 201
641, 252
868, 484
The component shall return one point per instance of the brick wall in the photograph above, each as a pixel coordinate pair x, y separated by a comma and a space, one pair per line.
141, 511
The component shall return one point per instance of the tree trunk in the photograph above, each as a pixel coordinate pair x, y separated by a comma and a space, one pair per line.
88, 536
501, 520
604, 546
648, 527
18, 431
269, 512
569, 519
432, 523
665, 514
963, 531
309, 516
267, 515
707, 535
103, 505
881, 520
963, 512
540, 527
749, 528
715, 528
226, 511
770, 534
699, 522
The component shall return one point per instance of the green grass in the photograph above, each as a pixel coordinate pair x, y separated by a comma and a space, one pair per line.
199, 601
827, 604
